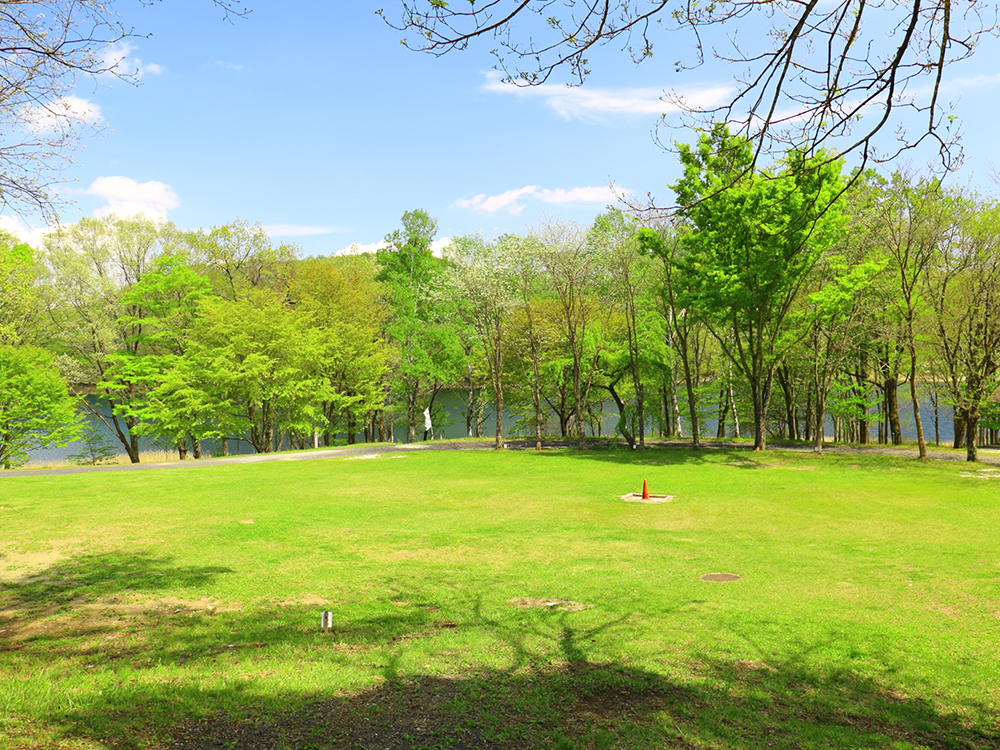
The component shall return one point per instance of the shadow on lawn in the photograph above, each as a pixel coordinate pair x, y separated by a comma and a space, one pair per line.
582, 705
780, 703
669, 454
90, 577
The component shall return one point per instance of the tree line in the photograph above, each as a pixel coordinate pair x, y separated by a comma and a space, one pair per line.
772, 302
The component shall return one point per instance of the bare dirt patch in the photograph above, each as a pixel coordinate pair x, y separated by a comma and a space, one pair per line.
636, 497
720, 577
530, 602
23, 568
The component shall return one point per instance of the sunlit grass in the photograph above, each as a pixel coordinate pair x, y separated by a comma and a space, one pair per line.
866, 614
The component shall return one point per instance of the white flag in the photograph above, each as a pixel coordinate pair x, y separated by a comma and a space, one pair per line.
427, 419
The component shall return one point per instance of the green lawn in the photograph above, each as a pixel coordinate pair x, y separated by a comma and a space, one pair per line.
508, 599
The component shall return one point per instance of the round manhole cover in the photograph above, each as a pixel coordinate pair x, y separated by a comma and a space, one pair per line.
720, 577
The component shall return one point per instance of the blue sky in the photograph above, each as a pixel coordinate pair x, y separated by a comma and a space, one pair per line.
311, 118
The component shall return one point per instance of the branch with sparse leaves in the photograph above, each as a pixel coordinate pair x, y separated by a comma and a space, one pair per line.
45, 47
833, 75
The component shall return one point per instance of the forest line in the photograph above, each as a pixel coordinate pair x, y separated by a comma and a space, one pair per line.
771, 301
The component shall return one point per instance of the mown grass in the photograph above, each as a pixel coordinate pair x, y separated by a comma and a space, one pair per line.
181, 607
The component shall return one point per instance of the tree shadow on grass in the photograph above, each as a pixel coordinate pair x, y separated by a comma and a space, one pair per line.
556, 699
582, 705
88, 578
669, 455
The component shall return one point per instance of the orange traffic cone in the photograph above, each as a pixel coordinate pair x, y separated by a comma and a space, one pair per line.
645, 490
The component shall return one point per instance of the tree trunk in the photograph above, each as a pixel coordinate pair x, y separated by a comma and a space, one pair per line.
921, 443
959, 427
182, 450
225, 446
971, 420
892, 409
761, 391
621, 414
498, 405
720, 431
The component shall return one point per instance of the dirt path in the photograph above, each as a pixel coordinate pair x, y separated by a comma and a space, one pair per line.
986, 456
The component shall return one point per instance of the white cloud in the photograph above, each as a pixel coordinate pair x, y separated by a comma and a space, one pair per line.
437, 246
578, 102
493, 203
512, 201
358, 249
126, 197
228, 65
297, 230
23, 232
66, 110
118, 60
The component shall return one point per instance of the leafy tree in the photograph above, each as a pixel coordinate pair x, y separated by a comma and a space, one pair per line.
572, 264
912, 218
757, 236
239, 257
252, 365
631, 275
36, 409
91, 266
96, 449
832, 312
428, 354
682, 320
19, 303
964, 293
482, 274
346, 307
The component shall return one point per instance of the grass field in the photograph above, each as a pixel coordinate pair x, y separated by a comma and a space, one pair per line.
504, 600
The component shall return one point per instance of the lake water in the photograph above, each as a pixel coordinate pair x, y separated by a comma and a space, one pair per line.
450, 423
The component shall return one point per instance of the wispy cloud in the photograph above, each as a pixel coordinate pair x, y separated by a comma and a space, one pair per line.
515, 201
126, 197
297, 230
119, 60
227, 65
490, 204
580, 102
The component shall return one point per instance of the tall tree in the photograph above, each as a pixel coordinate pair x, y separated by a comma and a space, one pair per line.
91, 266
36, 408
347, 308
428, 352
19, 301
757, 236
630, 273
482, 274
964, 293
571, 263
911, 221
682, 324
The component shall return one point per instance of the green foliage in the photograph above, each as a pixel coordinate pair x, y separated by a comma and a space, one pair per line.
36, 410
95, 450
757, 237
19, 301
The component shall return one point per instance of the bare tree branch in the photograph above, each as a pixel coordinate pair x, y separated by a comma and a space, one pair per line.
834, 76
